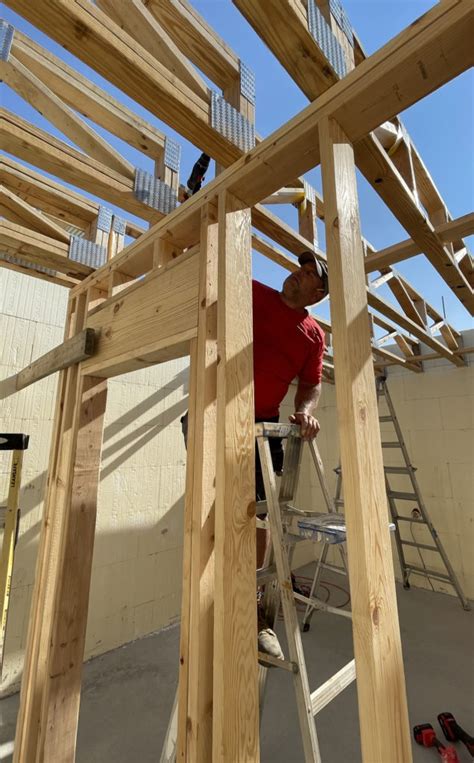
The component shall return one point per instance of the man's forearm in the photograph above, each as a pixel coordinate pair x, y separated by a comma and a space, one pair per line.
307, 397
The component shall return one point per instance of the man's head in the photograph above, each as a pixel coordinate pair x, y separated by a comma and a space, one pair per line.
307, 285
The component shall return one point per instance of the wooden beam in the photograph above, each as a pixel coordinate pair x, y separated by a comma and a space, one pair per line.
54, 198
35, 668
62, 691
235, 695
136, 19
37, 147
196, 40
39, 250
447, 232
150, 321
385, 733
300, 55
88, 98
73, 350
19, 211
27, 269
377, 303
35, 92
197, 620
121, 60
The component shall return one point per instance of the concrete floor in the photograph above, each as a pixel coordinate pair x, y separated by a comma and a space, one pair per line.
128, 693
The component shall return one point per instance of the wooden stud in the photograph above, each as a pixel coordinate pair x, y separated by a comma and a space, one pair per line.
385, 733
235, 694
197, 621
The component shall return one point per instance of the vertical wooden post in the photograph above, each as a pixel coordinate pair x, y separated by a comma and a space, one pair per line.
61, 697
235, 703
385, 733
49, 705
197, 620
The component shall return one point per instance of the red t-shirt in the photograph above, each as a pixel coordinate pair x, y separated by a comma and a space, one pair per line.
287, 344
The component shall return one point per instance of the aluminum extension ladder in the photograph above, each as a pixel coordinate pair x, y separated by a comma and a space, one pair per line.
417, 515
326, 527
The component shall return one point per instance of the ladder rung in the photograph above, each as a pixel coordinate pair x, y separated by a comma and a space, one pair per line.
395, 444
398, 469
409, 519
428, 573
274, 662
402, 496
385, 418
419, 545
339, 502
333, 568
332, 687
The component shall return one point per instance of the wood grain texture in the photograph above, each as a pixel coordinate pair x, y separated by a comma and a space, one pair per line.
197, 623
37, 646
17, 210
73, 350
33, 90
37, 147
236, 715
385, 733
60, 708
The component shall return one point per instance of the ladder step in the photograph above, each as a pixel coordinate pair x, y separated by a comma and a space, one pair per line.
333, 568
399, 518
402, 496
398, 469
428, 573
339, 502
419, 545
395, 444
385, 418
332, 687
274, 662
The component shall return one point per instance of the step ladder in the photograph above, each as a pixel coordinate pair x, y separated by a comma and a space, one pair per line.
10, 523
416, 514
326, 527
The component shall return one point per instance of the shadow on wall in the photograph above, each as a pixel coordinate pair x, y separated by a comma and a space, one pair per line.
136, 576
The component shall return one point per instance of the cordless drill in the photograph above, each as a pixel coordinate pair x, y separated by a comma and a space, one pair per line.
196, 177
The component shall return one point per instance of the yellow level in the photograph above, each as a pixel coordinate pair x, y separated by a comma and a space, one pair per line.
17, 443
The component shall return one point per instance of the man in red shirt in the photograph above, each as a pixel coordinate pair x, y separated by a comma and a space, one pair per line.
287, 344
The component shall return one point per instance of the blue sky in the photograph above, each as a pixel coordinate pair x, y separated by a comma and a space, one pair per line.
442, 127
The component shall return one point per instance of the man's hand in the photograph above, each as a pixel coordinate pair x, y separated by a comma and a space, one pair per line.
309, 425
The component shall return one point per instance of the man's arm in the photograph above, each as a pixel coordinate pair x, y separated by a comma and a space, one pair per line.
306, 401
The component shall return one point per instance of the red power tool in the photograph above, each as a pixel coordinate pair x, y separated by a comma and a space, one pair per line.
454, 733
425, 736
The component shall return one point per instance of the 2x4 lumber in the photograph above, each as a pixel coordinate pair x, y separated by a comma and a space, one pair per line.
385, 733
152, 320
15, 209
41, 250
196, 40
377, 303
87, 97
37, 647
197, 621
35, 92
389, 80
396, 359
52, 197
398, 289
29, 270
447, 232
380, 171
235, 692
135, 18
120, 59
73, 350
61, 697
420, 67
37, 147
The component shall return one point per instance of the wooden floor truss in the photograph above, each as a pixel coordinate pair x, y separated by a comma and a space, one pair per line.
183, 287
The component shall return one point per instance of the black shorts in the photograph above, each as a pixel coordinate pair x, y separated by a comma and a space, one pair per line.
276, 450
